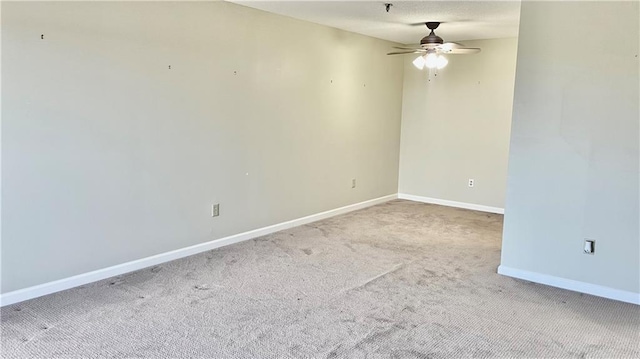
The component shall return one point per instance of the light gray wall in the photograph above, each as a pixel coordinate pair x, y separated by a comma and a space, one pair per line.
574, 164
455, 126
108, 156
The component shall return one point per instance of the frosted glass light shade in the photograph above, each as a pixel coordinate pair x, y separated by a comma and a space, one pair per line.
419, 62
431, 61
441, 62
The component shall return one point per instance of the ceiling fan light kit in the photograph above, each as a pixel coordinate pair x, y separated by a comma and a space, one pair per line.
430, 60
431, 49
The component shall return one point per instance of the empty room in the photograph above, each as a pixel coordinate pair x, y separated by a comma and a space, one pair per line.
320, 179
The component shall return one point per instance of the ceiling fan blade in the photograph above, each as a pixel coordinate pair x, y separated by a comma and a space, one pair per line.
406, 52
447, 47
419, 46
451, 45
463, 51
412, 47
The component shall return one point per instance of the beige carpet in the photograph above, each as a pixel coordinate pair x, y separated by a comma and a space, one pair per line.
398, 280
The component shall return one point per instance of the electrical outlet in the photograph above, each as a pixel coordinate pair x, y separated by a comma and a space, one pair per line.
589, 246
215, 210
471, 182
353, 183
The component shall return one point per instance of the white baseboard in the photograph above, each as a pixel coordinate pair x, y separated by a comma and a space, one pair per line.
573, 285
85, 278
444, 202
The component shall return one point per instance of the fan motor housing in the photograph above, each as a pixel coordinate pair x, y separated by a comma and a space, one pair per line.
431, 39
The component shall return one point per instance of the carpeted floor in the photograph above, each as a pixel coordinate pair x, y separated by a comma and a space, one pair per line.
398, 280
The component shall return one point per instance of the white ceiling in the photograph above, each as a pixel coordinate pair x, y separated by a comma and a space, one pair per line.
462, 20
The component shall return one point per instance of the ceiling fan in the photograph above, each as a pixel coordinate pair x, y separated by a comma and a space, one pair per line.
431, 49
